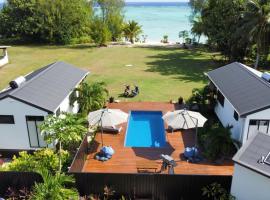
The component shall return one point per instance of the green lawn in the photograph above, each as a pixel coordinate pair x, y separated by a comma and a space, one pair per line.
161, 73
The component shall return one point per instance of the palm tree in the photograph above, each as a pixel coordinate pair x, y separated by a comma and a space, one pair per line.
183, 34
131, 30
54, 187
197, 28
256, 22
90, 96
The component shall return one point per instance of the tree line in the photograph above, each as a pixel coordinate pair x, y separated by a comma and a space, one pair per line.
66, 21
239, 29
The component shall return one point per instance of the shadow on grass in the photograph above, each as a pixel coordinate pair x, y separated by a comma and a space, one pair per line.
184, 65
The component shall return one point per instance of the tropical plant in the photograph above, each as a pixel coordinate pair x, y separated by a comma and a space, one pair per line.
54, 186
256, 23
131, 30
165, 39
64, 129
99, 32
49, 21
216, 192
91, 96
26, 162
183, 34
197, 28
219, 21
17, 194
216, 142
112, 15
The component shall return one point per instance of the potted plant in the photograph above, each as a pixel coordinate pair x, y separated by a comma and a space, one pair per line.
111, 99
180, 100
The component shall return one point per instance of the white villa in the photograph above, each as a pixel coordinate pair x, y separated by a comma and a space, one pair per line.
30, 98
4, 58
251, 178
243, 99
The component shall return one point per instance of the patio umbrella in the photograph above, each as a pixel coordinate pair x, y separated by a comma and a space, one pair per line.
107, 117
185, 119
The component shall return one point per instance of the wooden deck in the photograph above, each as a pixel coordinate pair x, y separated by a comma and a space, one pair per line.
124, 160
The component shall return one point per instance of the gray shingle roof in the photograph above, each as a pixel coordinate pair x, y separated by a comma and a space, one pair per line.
251, 152
47, 87
246, 91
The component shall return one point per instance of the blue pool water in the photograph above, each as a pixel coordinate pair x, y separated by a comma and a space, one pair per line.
145, 129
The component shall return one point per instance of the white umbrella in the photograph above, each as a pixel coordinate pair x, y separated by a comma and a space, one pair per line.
107, 117
184, 119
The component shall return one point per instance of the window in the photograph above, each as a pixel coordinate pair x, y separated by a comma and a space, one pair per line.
35, 137
235, 115
220, 98
7, 119
58, 112
257, 125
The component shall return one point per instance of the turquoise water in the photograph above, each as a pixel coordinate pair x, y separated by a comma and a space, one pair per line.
159, 19
145, 129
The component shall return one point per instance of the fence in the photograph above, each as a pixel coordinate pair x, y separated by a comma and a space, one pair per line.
151, 186
18, 180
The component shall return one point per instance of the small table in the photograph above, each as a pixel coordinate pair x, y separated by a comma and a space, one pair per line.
145, 165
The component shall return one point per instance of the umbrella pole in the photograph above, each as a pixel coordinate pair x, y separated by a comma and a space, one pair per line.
196, 135
101, 131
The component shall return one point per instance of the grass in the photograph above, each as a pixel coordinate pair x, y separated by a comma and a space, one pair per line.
162, 74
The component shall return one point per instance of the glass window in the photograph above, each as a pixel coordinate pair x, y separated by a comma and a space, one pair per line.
7, 119
35, 137
235, 115
220, 98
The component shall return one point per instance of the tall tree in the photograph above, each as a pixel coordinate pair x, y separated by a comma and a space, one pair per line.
50, 21
220, 21
131, 30
66, 129
256, 23
183, 35
112, 15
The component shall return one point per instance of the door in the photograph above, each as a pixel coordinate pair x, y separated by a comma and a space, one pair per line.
257, 125
35, 138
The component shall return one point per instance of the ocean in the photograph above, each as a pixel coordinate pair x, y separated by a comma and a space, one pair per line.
159, 19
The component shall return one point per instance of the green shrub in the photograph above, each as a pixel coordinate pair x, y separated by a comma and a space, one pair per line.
47, 21
217, 192
215, 141
26, 162
55, 186
100, 32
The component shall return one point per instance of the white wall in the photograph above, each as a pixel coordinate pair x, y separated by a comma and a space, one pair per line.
66, 107
4, 60
225, 115
262, 115
249, 185
15, 136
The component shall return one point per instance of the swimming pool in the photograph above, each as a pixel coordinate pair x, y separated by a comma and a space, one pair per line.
145, 129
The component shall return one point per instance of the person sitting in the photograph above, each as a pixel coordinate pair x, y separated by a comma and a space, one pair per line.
127, 91
136, 91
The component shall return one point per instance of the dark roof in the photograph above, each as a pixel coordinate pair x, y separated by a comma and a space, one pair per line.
247, 92
252, 151
47, 87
